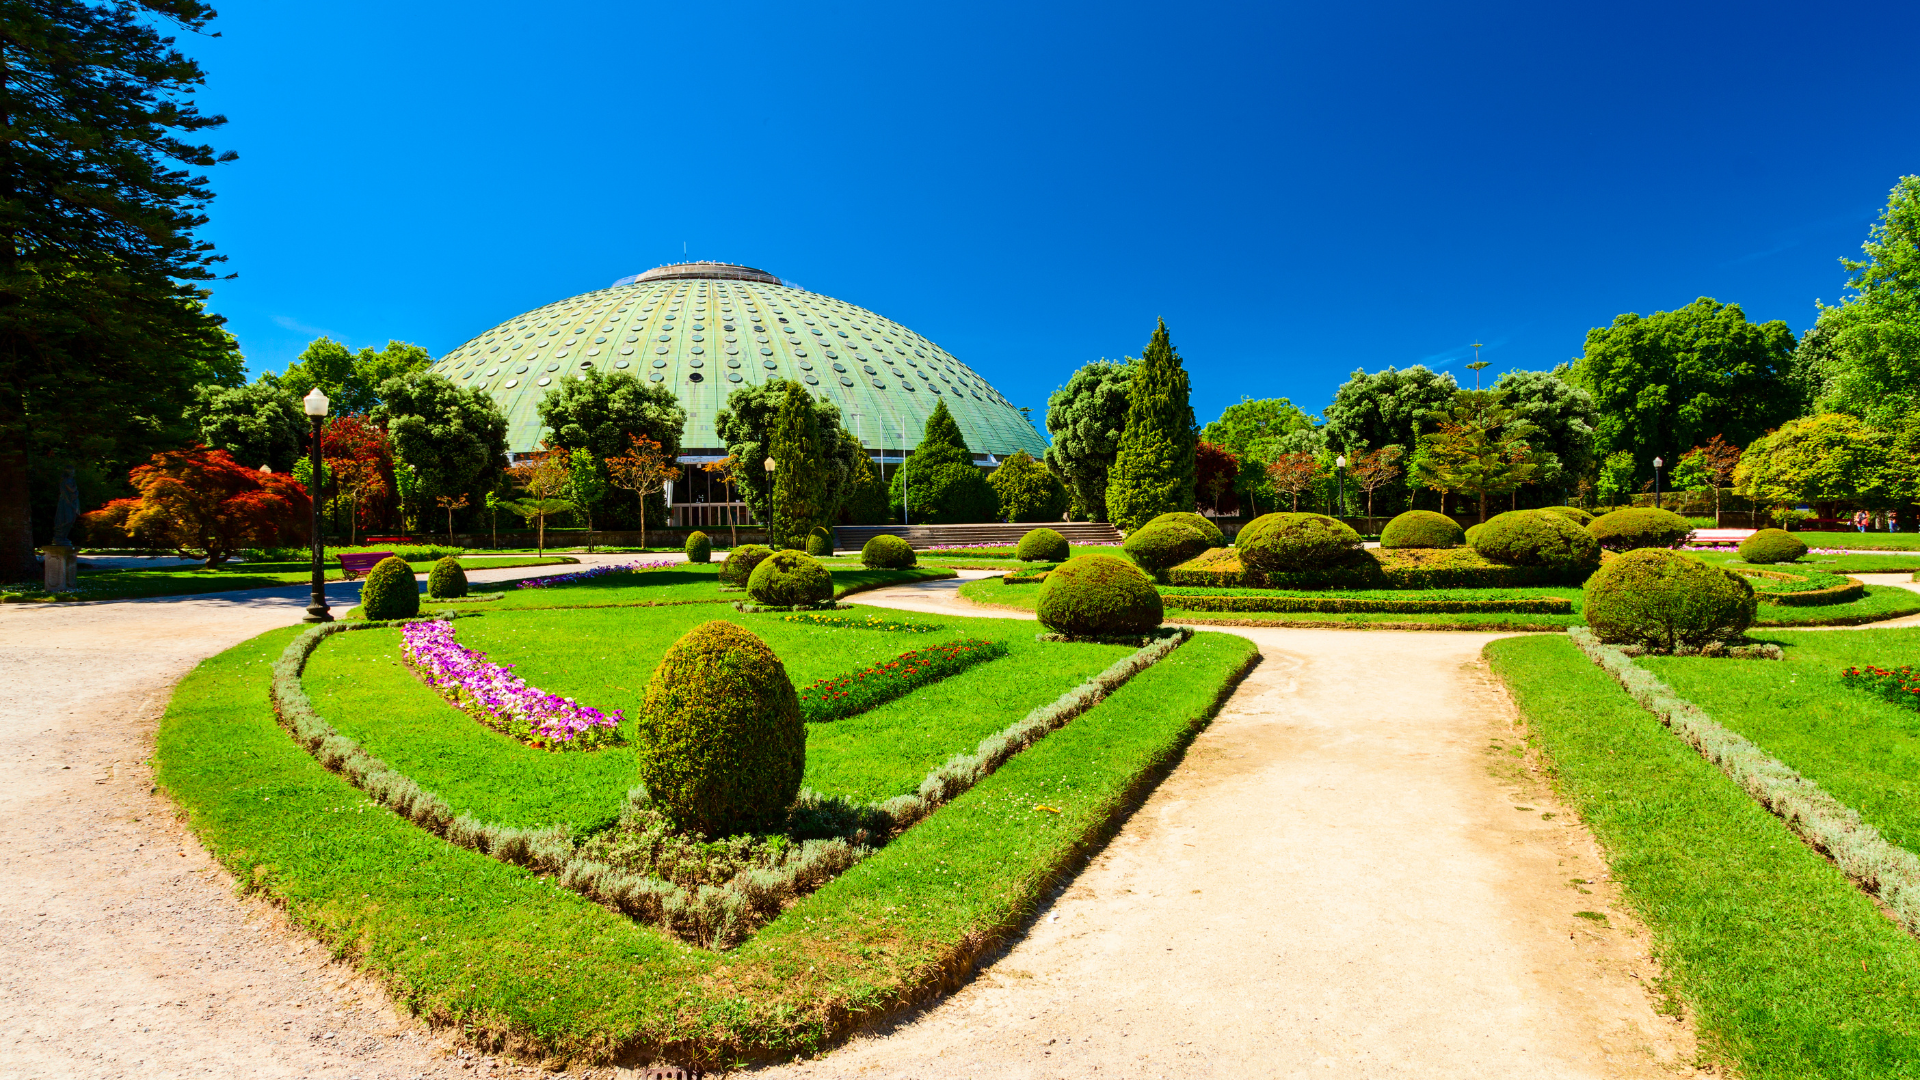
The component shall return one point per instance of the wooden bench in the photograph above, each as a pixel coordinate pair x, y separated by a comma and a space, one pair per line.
389, 539
354, 566
1719, 537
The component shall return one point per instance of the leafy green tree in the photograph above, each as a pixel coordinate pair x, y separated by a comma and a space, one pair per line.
454, 439
1672, 379
1386, 408
1259, 432
1871, 340
1708, 468
745, 425
351, 380
1615, 482
1563, 418
1153, 472
865, 499
801, 470
259, 423
586, 485
1084, 422
600, 413
938, 484
1479, 447
1826, 458
1027, 490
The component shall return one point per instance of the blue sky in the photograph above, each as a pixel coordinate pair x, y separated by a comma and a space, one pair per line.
1298, 190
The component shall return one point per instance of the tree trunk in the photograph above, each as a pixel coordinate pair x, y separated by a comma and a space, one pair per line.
1369, 505
540, 535
16, 516
643, 524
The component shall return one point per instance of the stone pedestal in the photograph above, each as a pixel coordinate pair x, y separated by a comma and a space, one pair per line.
63, 568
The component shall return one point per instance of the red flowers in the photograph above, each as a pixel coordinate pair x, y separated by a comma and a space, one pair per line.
846, 695
1900, 686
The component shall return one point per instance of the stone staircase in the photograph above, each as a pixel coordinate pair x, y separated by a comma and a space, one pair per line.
853, 537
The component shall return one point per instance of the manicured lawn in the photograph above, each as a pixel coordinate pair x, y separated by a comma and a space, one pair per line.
1828, 564
1881, 602
680, 584
1791, 971
184, 581
1024, 597
1884, 541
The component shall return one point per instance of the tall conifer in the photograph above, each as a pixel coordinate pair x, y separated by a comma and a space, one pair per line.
800, 470
1153, 472
939, 484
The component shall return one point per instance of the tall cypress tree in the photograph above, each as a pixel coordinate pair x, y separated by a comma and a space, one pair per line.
799, 470
939, 484
1153, 472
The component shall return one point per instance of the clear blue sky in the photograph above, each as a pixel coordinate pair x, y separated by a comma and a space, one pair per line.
1298, 190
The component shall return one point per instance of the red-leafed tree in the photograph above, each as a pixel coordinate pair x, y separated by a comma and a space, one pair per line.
1294, 474
359, 460
1214, 470
204, 504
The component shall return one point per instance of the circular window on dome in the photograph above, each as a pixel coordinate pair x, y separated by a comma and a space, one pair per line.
695, 376
831, 355
839, 367
511, 383
544, 380
521, 370
593, 352
733, 376
733, 350
806, 365
659, 363
869, 369
810, 380
654, 376
562, 352
666, 337
698, 349
628, 351
600, 340
766, 352
619, 363
699, 326
660, 349
495, 349
769, 365
733, 361
571, 341
879, 384
696, 362
555, 366
799, 352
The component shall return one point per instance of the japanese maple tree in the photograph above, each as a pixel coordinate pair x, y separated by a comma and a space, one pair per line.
204, 504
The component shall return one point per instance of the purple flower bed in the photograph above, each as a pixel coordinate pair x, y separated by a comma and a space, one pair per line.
493, 695
598, 571
1000, 547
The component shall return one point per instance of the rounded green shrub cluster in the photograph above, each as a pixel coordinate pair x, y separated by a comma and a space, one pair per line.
1043, 545
1280, 543
699, 547
1772, 546
1572, 513
1199, 523
390, 591
1098, 595
820, 542
741, 561
1158, 547
887, 552
1639, 527
446, 580
721, 744
1662, 599
1421, 529
786, 578
1536, 538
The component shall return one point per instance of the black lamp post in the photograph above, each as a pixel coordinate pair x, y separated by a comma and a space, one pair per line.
315, 404
772, 540
1656, 482
1340, 475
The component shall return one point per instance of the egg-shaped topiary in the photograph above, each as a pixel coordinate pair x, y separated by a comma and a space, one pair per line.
1663, 599
1098, 595
390, 591
819, 542
1536, 538
741, 562
786, 578
1199, 523
1772, 546
699, 547
886, 551
721, 744
1421, 529
1043, 545
1639, 527
446, 581
1572, 513
1279, 543
1155, 548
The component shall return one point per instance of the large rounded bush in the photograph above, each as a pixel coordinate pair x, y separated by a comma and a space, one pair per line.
1639, 527
699, 547
390, 591
786, 578
741, 562
1097, 595
1421, 529
1662, 599
1572, 513
1157, 547
1043, 545
1280, 543
820, 542
446, 581
887, 552
1199, 523
721, 743
1772, 546
1536, 538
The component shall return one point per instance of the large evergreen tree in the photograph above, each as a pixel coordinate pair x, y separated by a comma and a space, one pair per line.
598, 412
745, 427
864, 501
1562, 416
939, 483
802, 471
1153, 471
1027, 489
1084, 421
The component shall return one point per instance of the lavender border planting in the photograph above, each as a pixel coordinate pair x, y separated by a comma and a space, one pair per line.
499, 699
598, 571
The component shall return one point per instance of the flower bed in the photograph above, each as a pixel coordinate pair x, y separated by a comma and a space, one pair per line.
846, 695
1900, 686
598, 571
493, 695
871, 622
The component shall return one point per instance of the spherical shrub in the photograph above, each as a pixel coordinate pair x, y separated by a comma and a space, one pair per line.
1662, 599
1043, 545
699, 547
1155, 548
887, 552
721, 743
446, 580
741, 561
1199, 523
820, 542
1473, 531
1097, 595
786, 578
390, 591
1772, 546
1536, 538
1572, 513
1292, 542
1421, 529
1639, 527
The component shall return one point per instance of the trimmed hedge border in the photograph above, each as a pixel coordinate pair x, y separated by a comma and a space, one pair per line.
1395, 568
1852, 590
1542, 605
1024, 577
1825, 823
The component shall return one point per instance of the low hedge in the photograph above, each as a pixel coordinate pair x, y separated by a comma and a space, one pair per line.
1539, 605
1422, 529
1024, 577
1199, 523
1844, 591
1383, 568
1639, 527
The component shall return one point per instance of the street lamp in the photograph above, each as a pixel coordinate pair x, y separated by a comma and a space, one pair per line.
1656, 482
315, 405
1340, 474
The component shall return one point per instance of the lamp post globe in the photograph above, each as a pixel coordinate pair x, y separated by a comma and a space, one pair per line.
315, 406
1340, 475
1657, 463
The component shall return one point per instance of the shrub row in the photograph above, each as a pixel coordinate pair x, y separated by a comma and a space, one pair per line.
1024, 577
1406, 568
1535, 605
1847, 591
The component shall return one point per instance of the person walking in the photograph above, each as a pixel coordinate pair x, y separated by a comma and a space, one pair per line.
1860, 520
1893, 519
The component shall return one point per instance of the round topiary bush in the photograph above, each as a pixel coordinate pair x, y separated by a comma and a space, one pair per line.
446, 580
1097, 596
1772, 546
1536, 538
1663, 599
741, 561
1639, 527
786, 578
1043, 545
1292, 542
699, 547
887, 552
721, 743
1572, 513
820, 542
1155, 548
1421, 529
1199, 523
390, 591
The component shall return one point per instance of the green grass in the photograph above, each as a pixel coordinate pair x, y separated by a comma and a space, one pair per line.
1880, 603
681, 584
508, 956
1023, 597
1825, 564
1883, 540
1791, 971
185, 581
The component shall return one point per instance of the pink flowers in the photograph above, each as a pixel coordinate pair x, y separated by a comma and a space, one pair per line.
491, 694
598, 571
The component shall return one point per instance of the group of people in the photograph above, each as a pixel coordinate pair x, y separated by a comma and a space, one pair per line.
1863, 520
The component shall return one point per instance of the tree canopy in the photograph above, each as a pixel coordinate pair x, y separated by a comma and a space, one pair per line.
350, 380
745, 425
1153, 471
1259, 432
802, 451
939, 483
1827, 457
1084, 421
454, 439
600, 413
1867, 349
1386, 408
259, 423
1027, 490
1562, 417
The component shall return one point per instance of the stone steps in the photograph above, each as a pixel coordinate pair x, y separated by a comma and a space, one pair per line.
853, 537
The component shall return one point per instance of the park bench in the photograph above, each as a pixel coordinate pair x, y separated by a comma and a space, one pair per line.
354, 566
1718, 537
389, 539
